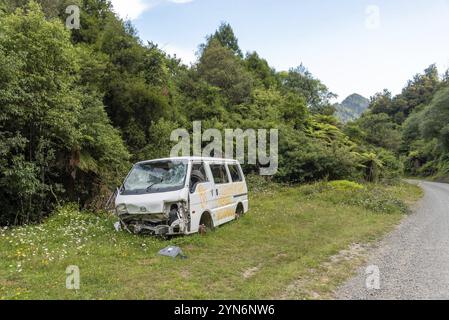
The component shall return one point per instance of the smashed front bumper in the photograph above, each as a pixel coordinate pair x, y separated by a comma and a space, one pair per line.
173, 221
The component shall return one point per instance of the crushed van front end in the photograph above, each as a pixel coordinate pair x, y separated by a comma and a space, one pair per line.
153, 198
160, 214
173, 219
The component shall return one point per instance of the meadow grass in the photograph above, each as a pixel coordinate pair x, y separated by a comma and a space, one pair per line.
284, 248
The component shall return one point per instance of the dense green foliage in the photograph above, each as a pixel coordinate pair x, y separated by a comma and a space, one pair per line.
77, 106
56, 139
413, 125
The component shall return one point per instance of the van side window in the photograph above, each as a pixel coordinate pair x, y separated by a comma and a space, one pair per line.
235, 173
219, 173
197, 176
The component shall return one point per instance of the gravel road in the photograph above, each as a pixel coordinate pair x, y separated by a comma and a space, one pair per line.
413, 261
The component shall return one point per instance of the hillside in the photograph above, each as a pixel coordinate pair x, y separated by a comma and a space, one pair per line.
101, 100
413, 125
351, 108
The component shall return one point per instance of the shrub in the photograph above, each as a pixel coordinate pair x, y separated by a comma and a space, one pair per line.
314, 189
258, 183
377, 200
392, 168
345, 185
371, 197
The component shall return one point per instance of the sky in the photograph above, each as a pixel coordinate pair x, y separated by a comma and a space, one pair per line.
352, 46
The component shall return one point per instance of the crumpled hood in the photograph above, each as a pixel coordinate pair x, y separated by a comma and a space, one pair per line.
150, 203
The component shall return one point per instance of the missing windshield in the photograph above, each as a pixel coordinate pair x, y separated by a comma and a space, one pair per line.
157, 176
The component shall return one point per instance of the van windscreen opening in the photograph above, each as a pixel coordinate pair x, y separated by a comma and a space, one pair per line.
153, 177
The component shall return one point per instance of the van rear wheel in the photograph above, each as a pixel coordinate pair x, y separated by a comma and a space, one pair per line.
239, 211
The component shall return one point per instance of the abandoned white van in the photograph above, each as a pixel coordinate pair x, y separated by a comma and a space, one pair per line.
176, 196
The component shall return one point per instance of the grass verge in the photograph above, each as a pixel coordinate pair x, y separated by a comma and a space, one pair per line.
289, 246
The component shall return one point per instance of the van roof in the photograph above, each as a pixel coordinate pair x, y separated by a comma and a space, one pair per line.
192, 159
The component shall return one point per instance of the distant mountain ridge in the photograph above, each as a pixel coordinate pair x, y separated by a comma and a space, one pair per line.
351, 108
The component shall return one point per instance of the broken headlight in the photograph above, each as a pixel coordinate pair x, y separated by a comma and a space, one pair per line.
174, 211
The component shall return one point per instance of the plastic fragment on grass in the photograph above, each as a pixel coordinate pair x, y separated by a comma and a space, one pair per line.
173, 252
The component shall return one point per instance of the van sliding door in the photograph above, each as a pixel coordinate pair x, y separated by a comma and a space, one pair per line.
224, 208
201, 193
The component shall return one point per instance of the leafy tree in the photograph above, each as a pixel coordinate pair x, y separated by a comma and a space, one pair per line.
379, 130
226, 37
301, 82
48, 119
305, 159
133, 106
95, 17
221, 68
434, 123
261, 70
418, 92
381, 103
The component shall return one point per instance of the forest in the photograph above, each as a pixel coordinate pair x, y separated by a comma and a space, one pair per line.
78, 107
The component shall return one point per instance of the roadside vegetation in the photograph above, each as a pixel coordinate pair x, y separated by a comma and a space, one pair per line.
412, 125
79, 106
297, 242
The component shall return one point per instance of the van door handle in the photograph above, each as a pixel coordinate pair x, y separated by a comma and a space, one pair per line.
216, 191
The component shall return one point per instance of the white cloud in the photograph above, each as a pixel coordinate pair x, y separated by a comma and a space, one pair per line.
132, 9
187, 56
180, 1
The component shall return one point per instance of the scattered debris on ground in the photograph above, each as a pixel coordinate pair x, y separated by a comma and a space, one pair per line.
173, 252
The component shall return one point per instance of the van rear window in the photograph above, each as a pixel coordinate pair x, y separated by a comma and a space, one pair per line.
219, 173
235, 173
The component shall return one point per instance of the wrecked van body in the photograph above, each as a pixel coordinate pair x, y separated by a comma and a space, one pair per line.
180, 196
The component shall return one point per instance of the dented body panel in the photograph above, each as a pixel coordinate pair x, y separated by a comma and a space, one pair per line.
214, 192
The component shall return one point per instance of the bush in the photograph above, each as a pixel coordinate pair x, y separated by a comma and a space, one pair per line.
258, 183
392, 168
377, 200
314, 189
371, 197
305, 159
345, 185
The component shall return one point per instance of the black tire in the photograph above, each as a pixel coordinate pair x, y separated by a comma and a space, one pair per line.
239, 212
206, 224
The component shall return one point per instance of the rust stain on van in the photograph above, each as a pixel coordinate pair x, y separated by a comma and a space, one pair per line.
203, 197
226, 213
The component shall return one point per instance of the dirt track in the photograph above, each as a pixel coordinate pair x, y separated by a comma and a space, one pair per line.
414, 259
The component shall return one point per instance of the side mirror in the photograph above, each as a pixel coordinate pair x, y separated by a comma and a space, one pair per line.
193, 188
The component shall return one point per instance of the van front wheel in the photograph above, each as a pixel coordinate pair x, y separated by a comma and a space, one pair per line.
206, 224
